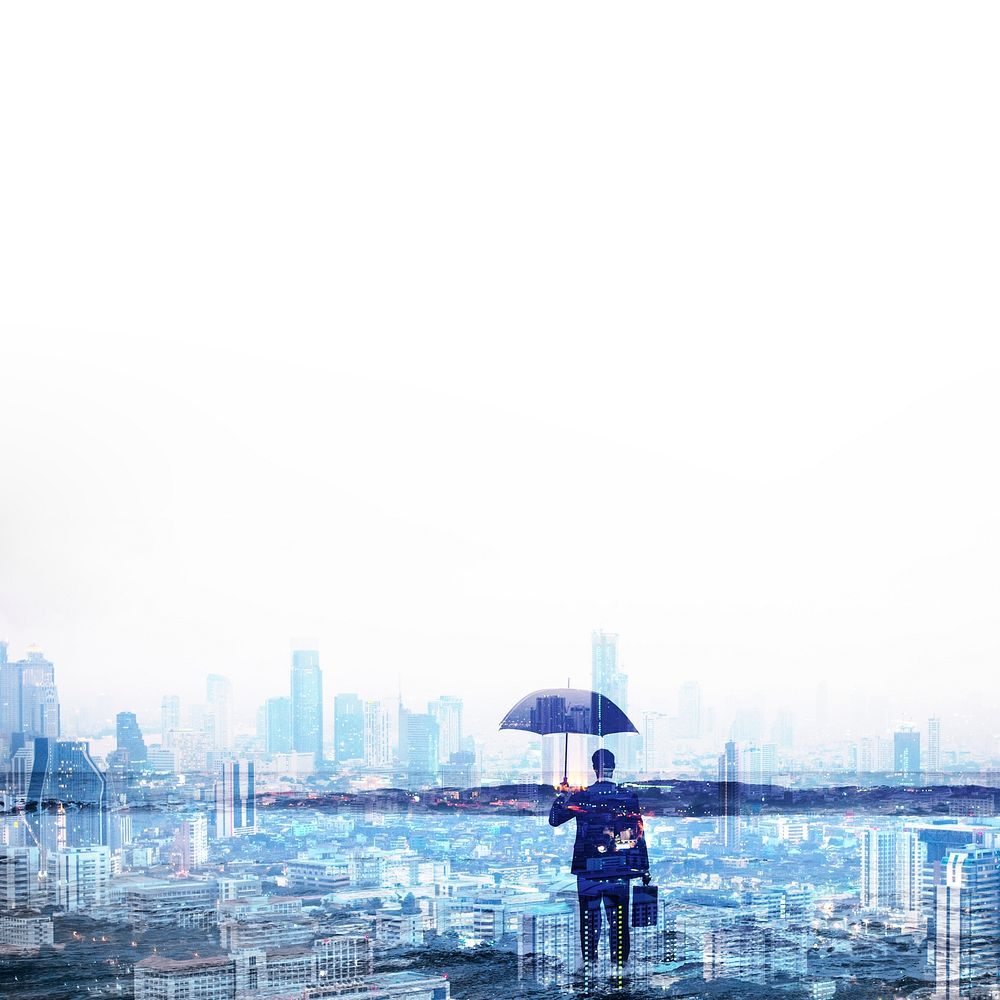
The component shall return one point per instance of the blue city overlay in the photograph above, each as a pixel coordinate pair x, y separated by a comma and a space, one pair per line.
381, 850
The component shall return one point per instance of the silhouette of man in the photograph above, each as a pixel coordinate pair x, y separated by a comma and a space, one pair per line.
610, 850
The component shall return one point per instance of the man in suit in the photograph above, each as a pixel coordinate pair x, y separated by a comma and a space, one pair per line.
610, 851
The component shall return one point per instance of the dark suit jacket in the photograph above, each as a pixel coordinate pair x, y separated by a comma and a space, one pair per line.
609, 837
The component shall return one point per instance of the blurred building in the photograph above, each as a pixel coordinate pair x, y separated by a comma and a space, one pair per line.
129, 737
235, 799
348, 728
307, 703
278, 725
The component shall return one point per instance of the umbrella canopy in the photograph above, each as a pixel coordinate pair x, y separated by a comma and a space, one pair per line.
567, 710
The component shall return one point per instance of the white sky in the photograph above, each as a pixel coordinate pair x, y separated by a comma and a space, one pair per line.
448, 332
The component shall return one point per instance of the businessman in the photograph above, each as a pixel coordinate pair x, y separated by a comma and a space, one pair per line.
610, 851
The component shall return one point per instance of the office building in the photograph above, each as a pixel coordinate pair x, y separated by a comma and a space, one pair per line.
728, 824
170, 718
418, 738
548, 944
278, 725
878, 868
906, 755
25, 933
608, 679
78, 877
159, 978
21, 885
378, 735
129, 737
235, 802
656, 755
447, 713
67, 795
190, 847
307, 703
967, 924
348, 728
220, 711
29, 701
934, 749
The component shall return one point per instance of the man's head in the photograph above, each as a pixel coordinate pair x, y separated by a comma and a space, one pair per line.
604, 764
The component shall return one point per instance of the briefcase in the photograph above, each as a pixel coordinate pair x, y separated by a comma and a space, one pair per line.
644, 908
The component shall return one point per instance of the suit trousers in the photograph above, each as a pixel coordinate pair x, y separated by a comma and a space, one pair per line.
611, 895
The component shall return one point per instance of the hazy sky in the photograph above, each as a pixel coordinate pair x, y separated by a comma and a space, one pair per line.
447, 332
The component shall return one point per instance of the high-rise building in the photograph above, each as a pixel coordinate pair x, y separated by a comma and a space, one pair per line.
758, 765
934, 749
783, 730
548, 944
67, 795
911, 861
235, 799
278, 724
20, 884
447, 712
608, 679
29, 701
728, 826
348, 728
307, 703
879, 847
378, 735
129, 737
967, 924
170, 718
689, 710
906, 754
220, 709
418, 739
656, 755
190, 848
78, 877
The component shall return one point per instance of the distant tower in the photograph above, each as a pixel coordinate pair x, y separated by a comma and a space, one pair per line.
418, 739
729, 798
220, 706
689, 710
278, 724
447, 711
967, 924
608, 679
348, 728
307, 703
934, 749
235, 803
906, 755
129, 737
378, 735
656, 757
170, 718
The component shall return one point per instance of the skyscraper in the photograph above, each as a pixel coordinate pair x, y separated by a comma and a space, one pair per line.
348, 728
235, 802
278, 724
20, 887
934, 749
418, 740
29, 701
447, 712
378, 735
129, 737
220, 706
967, 923
729, 798
608, 679
879, 847
170, 718
656, 756
67, 795
307, 703
906, 754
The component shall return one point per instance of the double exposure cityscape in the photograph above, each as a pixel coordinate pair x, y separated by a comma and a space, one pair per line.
201, 854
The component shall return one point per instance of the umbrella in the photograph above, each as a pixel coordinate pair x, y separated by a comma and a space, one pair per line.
567, 710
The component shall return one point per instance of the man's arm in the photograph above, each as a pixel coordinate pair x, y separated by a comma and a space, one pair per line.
560, 811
